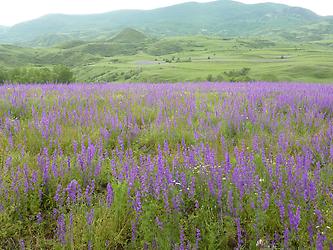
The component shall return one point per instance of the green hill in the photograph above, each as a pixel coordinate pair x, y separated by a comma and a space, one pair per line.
174, 59
129, 35
224, 18
75, 52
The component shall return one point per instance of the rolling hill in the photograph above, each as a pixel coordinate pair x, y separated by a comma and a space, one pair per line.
223, 18
129, 35
173, 59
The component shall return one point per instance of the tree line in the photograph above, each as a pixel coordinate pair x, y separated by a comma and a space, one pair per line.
56, 74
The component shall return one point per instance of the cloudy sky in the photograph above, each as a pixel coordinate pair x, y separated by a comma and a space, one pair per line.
15, 11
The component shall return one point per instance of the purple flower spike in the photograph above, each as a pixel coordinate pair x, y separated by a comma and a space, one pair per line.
182, 239
239, 233
197, 238
61, 229
39, 218
109, 195
320, 241
137, 202
286, 238
294, 219
22, 244
73, 190
90, 216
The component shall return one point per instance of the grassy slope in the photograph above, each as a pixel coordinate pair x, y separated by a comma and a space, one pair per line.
308, 62
100, 61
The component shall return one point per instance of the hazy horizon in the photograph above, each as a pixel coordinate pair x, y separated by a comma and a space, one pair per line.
10, 15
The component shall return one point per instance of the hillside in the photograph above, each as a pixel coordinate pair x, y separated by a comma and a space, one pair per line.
175, 59
129, 35
224, 18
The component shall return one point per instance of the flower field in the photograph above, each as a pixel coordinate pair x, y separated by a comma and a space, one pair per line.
166, 166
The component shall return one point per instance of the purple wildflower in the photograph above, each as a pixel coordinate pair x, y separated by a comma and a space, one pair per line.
90, 216
39, 218
134, 230
89, 191
310, 231
294, 219
239, 233
73, 190
109, 194
61, 229
137, 202
158, 223
182, 239
197, 238
57, 195
266, 201
286, 238
320, 241
22, 244
89, 245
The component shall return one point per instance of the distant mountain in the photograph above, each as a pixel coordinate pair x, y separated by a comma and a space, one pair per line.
223, 17
3, 29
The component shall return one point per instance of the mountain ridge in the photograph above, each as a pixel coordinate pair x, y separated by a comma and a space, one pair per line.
223, 18
3, 29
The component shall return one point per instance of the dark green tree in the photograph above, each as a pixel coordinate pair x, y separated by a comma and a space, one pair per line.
210, 78
3, 75
63, 74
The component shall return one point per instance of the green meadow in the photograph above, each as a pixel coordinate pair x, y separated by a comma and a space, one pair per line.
179, 59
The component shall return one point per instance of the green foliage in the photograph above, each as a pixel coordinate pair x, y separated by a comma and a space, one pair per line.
241, 75
210, 78
218, 78
165, 47
59, 73
3, 75
132, 73
63, 74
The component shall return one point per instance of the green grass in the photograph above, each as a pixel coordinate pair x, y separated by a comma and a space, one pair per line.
178, 59
282, 62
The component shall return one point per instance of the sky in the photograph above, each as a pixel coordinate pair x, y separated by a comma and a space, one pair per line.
15, 11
